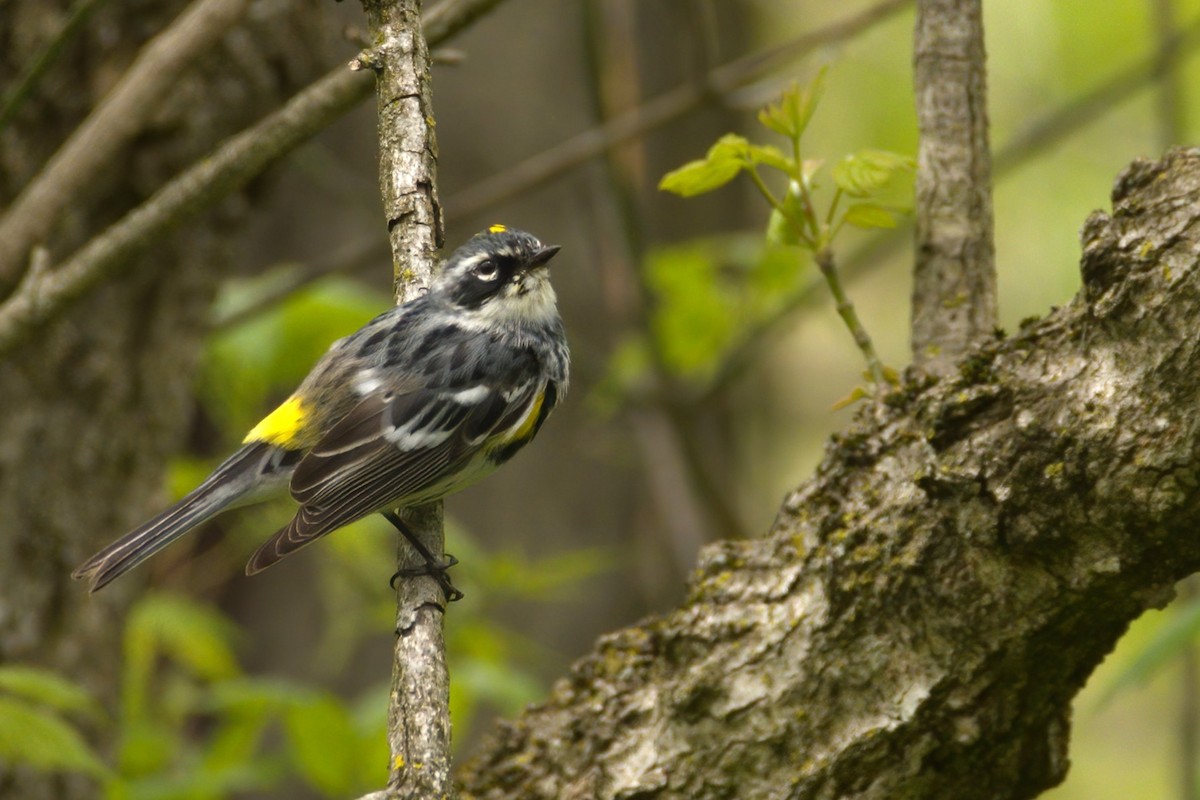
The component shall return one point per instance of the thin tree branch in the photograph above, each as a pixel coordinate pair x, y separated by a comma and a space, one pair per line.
110, 127
1042, 133
1079, 111
610, 60
38, 299
44, 294
655, 113
954, 276
1170, 79
419, 708
353, 259
77, 16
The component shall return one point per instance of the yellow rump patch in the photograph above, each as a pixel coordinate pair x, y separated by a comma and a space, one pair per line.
497, 228
282, 426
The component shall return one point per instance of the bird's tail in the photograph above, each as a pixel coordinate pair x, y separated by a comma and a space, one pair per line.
242, 474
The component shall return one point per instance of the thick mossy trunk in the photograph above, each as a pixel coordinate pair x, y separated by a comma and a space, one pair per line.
927, 606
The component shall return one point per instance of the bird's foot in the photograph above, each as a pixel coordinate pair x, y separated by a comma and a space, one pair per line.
436, 570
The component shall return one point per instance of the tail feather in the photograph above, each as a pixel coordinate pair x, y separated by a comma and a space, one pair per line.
287, 540
230, 482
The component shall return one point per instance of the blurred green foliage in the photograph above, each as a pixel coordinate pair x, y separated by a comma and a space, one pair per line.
191, 724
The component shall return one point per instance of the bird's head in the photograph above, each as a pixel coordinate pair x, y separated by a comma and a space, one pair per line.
500, 274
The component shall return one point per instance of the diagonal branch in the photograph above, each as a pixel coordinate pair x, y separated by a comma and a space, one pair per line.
44, 294
40, 298
110, 127
927, 605
656, 112
16, 95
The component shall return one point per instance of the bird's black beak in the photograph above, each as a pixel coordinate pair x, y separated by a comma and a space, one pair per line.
542, 257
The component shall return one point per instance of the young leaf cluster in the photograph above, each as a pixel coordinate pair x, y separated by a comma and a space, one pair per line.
861, 180
863, 193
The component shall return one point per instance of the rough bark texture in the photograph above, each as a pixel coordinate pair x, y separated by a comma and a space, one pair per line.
925, 608
93, 405
954, 277
419, 709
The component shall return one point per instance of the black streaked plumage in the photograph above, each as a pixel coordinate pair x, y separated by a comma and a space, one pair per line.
422, 401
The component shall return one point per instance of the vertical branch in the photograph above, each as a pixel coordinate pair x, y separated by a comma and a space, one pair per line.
954, 282
419, 709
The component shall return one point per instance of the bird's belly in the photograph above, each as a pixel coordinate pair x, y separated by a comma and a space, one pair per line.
479, 467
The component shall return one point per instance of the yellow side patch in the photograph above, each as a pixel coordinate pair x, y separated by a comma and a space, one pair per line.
530, 420
282, 426
497, 228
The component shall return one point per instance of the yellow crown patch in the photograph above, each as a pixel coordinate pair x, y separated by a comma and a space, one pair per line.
497, 228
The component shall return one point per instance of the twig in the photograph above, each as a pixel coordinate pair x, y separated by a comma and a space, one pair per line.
954, 273
845, 310
353, 259
452, 16
663, 422
655, 113
110, 126
1081, 110
35, 69
1170, 79
419, 708
42, 296
1043, 132
37, 300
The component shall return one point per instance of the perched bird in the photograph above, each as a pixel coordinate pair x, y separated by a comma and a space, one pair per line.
423, 400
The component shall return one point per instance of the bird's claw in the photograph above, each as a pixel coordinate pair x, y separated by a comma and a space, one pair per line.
437, 571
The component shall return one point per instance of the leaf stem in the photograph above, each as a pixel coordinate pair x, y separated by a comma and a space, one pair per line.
776, 204
845, 309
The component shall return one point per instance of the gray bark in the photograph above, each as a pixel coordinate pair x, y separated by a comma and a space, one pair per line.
954, 275
419, 705
926, 606
95, 402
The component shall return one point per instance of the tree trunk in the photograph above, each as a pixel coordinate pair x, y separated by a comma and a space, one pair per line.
95, 403
926, 607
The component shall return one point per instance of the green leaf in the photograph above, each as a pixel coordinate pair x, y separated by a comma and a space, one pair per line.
858, 393
869, 215
724, 160
1172, 637
782, 227
861, 174
41, 739
323, 744
771, 157
780, 231
627, 373
693, 321
194, 636
791, 115
47, 688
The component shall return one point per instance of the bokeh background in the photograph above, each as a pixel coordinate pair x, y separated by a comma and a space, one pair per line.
661, 445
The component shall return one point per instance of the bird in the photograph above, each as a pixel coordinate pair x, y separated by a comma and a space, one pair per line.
422, 401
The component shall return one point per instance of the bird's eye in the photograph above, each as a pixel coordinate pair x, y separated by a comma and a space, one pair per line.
486, 270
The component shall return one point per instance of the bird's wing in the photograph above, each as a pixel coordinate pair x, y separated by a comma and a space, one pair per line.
391, 447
